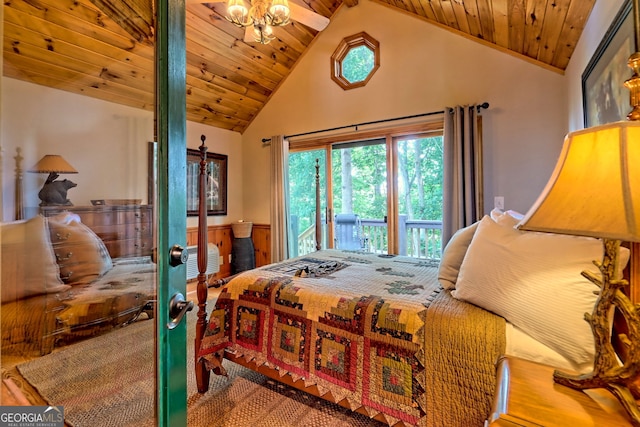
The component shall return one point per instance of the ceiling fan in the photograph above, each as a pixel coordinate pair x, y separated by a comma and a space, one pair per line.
263, 15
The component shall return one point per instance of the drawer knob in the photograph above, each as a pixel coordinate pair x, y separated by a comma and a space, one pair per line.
61, 258
65, 237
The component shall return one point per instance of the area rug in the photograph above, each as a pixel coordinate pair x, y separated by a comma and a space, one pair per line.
109, 381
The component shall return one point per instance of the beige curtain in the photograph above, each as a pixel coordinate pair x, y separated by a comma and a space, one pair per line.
279, 198
463, 187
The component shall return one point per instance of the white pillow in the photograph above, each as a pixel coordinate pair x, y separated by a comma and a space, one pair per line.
534, 281
28, 264
456, 248
453, 254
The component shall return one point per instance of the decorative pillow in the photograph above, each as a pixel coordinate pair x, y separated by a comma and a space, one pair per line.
80, 253
453, 254
455, 250
28, 265
534, 281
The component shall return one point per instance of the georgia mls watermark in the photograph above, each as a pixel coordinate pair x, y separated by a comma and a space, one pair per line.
31, 416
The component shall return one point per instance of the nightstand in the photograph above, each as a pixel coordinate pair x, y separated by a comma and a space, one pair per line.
526, 395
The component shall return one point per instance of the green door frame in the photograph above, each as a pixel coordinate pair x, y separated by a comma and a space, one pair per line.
171, 208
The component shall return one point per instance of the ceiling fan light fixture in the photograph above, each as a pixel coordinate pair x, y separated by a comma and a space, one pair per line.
263, 15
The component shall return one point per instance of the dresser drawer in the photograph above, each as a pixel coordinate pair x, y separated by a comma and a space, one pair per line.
130, 247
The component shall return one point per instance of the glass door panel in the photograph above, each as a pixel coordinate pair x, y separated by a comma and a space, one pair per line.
82, 241
359, 182
420, 165
302, 200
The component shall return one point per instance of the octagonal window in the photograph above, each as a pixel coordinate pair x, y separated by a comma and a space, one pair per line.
355, 60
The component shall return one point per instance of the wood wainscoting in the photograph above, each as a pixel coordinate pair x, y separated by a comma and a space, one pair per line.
222, 237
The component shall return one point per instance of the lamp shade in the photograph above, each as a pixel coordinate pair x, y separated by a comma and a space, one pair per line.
53, 163
595, 187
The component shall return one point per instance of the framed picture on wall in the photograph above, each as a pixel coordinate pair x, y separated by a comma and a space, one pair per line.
216, 183
604, 96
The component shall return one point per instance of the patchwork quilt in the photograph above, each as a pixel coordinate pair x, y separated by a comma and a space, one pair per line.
352, 324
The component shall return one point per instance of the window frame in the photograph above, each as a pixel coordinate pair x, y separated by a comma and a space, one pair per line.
341, 52
390, 135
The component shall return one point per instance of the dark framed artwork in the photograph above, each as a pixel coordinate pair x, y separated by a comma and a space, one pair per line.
605, 98
216, 183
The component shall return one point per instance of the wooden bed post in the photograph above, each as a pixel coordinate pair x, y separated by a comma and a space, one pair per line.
202, 373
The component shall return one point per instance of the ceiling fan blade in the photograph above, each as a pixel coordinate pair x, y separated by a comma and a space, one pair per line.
308, 17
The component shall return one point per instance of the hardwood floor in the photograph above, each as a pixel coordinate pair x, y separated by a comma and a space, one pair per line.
12, 395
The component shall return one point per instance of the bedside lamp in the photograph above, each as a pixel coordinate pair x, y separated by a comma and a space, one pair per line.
54, 193
595, 191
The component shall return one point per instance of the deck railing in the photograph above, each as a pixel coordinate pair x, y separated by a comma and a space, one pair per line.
418, 238
307, 241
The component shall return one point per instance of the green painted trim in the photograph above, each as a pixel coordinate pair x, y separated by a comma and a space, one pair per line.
171, 207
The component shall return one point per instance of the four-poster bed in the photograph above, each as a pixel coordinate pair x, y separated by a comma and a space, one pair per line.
375, 333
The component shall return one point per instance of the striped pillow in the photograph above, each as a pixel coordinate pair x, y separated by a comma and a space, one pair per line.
534, 281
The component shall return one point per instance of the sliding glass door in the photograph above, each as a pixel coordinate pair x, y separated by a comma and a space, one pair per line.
420, 180
359, 198
382, 194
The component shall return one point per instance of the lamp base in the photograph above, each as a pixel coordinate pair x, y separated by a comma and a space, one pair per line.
54, 193
612, 371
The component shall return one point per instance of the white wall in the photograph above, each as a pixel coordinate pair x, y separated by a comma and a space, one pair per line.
107, 143
599, 21
423, 68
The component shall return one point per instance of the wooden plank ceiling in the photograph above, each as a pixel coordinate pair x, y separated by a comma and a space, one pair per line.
104, 48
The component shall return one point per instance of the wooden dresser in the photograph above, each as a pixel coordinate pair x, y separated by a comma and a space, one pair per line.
126, 230
526, 395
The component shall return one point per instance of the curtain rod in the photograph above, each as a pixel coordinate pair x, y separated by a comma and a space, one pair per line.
484, 105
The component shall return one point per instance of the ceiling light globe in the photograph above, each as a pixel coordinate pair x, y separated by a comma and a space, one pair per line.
280, 11
237, 10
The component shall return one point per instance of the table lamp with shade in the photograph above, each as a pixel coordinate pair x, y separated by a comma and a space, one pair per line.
54, 193
594, 191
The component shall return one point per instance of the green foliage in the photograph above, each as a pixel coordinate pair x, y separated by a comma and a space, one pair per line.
302, 185
427, 155
357, 64
420, 182
369, 185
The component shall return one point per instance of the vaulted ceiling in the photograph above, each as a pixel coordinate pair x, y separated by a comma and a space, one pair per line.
104, 48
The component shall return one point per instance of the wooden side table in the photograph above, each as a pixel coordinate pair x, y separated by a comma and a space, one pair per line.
526, 395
